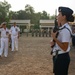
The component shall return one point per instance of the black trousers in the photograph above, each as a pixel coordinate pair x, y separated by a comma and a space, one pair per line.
73, 40
61, 64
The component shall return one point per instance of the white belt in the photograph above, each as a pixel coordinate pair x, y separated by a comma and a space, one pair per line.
59, 52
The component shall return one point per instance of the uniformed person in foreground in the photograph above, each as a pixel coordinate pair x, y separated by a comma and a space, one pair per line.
61, 58
4, 40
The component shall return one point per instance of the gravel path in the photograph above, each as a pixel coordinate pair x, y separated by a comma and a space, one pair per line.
33, 58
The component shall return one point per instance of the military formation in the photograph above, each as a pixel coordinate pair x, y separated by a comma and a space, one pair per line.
41, 33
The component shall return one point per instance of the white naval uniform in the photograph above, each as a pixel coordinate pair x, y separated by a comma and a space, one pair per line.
64, 36
14, 37
4, 41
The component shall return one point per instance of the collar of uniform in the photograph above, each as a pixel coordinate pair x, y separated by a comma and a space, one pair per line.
63, 25
4, 29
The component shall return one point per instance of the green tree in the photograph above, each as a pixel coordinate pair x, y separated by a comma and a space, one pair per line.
29, 9
4, 11
44, 15
52, 17
21, 14
13, 15
30, 12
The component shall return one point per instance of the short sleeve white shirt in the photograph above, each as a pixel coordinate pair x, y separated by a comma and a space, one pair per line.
4, 32
64, 36
14, 30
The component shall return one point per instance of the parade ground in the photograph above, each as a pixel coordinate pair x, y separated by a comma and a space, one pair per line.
32, 58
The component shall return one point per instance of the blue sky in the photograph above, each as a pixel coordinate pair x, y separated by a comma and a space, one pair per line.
39, 5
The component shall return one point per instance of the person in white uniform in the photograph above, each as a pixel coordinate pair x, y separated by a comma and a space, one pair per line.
4, 39
15, 32
61, 58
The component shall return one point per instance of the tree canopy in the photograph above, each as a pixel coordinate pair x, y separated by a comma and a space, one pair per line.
4, 10
27, 13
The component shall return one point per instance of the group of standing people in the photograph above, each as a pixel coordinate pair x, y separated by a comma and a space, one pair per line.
8, 35
61, 57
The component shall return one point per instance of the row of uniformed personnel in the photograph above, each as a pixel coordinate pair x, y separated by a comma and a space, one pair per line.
5, 35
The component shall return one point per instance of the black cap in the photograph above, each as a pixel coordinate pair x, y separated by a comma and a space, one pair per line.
68, 12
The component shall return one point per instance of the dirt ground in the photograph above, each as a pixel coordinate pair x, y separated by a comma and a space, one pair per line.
33, 58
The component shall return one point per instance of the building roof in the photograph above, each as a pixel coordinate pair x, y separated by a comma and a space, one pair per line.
52, 21
20, 21
46, 21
